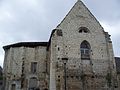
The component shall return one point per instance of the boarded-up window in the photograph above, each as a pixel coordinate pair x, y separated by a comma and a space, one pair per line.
32, 83
13, 87
33, 67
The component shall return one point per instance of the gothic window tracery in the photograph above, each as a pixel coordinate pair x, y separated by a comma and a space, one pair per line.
85, 50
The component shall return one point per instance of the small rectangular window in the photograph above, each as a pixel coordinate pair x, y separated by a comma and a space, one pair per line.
33, 67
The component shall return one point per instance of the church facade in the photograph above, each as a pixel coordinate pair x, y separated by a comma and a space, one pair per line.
78, 56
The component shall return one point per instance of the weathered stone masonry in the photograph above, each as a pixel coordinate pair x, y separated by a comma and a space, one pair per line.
78, 56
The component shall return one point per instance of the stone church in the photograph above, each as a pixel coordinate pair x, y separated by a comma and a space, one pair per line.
78, 56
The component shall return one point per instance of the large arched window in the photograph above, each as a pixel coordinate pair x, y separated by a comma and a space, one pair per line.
85, 50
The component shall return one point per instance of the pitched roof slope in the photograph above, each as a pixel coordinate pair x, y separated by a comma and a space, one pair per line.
26, 44
81, 11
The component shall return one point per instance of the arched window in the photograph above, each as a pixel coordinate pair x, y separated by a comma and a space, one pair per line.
83, 30
85, 50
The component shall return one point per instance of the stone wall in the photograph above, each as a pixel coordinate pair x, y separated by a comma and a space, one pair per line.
66, 43
61, 58
17, 68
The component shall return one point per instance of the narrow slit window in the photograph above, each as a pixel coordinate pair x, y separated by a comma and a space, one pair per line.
33, 67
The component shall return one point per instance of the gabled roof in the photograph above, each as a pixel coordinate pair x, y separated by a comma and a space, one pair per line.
80, 10
75, 11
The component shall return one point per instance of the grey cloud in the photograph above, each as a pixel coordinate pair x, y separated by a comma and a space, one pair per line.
33, 20
104, 9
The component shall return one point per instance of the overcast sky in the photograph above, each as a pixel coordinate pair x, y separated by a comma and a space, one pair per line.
33, 20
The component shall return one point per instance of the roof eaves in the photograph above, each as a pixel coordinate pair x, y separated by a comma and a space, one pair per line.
26, 44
